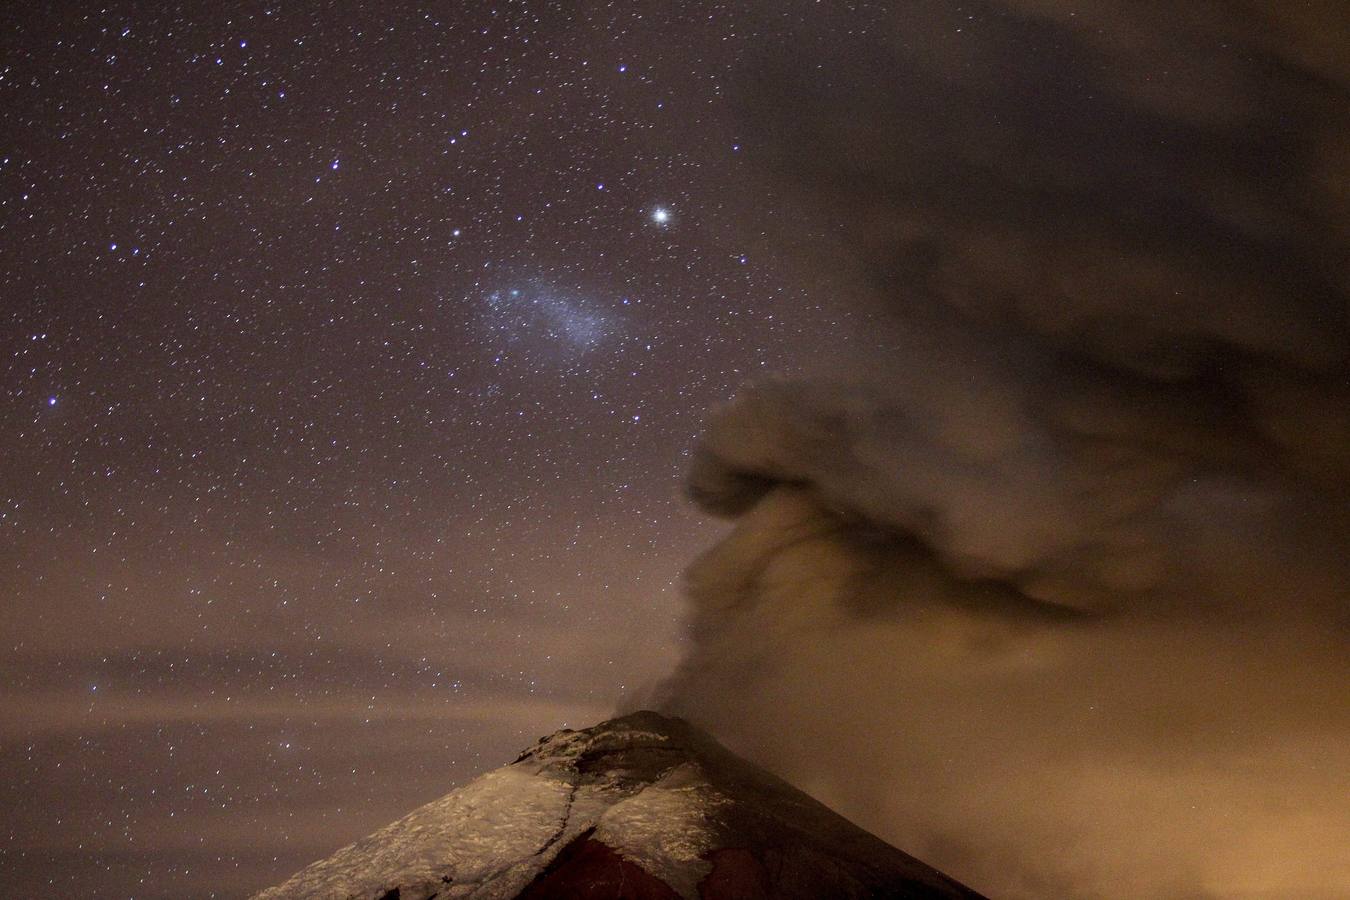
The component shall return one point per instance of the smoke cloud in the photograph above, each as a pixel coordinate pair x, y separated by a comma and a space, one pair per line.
1044, 576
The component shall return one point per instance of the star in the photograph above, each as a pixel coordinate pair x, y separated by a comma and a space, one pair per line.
661, 215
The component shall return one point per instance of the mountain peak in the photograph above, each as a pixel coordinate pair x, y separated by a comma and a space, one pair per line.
643, 807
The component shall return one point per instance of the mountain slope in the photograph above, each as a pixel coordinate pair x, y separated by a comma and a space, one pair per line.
642, 807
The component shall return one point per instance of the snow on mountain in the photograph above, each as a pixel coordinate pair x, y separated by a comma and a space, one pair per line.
639, 807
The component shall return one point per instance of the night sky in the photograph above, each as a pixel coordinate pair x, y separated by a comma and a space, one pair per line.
354, 354
351, 357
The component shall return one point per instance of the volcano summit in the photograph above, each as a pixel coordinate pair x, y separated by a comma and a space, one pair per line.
642, 807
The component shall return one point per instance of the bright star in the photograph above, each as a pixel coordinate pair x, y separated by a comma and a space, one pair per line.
660, 215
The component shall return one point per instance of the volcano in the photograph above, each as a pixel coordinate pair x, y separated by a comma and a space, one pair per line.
642, 807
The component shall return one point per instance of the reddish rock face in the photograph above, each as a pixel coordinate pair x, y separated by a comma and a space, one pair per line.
588, 870
736, 875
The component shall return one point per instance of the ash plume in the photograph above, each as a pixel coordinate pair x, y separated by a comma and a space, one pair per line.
1044, 577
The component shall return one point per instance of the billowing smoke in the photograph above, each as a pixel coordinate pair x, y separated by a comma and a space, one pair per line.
1047, 578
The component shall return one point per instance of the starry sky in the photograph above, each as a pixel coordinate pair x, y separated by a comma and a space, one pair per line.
354, 354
